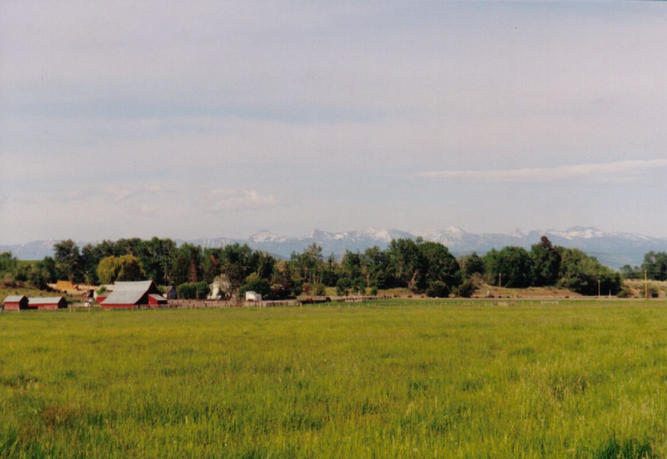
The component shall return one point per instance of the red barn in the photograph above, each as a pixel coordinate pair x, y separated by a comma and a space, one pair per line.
16, 302
156, 300
51, 302
127, 295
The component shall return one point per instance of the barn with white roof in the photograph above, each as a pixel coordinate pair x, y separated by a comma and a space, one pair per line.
127, 295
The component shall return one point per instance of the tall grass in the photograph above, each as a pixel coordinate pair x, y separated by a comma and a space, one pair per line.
392, 378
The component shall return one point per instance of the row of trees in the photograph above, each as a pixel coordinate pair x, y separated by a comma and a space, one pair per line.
654, 267
422, 267
429, 267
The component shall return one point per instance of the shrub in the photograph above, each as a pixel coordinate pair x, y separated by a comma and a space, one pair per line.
186, 291
625, 292
437, 289
466, 289
256, 284
343, 285
318, 289
192, 290
653, 291
359, 285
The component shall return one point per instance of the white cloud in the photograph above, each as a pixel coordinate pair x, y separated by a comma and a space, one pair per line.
612, 171
234, 200
119, 193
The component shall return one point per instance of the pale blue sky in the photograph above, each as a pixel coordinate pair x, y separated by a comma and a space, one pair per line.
220, 119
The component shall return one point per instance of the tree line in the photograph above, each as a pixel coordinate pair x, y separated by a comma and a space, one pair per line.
420, 266
654, 267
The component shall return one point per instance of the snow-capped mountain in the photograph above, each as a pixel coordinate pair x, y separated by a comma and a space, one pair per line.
612, 248
34, 250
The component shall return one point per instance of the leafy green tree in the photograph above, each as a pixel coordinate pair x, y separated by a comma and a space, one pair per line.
68, 260
107, 270
343, 286
631, 272
282, 284
351, 265
545, 263
359, 285
512, 263
472, 264
211, 264
655, 265
254, 283
123, 268
48, 266
186, 265
130, 269
406, 264
439, 265
264, 264
89, 262
580, 273
38, 275
308, 264
238, 262
375, 265
8, 263
157, 257
330, 271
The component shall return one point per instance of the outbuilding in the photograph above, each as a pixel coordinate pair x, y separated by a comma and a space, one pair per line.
49, 302
128, 295
15, 302
253, 296
170, 293
155, 300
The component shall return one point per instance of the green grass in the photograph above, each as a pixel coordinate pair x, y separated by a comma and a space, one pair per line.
382, 379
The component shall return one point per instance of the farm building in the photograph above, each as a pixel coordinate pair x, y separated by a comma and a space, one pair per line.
16, 302
170, 293
126, 295
65, 286
51, 302
253, 296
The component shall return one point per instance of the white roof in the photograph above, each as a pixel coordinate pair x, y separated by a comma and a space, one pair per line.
14, 298
44, 300
128, 292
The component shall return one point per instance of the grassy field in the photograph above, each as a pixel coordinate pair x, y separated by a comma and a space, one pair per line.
382, 379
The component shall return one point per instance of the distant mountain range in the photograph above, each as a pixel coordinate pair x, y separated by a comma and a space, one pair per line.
612, 248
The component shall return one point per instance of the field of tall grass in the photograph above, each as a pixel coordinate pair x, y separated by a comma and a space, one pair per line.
382, 379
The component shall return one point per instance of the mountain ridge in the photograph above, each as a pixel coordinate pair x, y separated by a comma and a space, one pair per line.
612, 248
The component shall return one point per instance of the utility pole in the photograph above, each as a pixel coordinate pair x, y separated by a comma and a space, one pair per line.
598, 289
500, 280
646, 284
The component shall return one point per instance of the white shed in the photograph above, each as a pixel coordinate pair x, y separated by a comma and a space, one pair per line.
253, 296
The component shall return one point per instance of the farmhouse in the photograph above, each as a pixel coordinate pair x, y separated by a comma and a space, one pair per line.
50, 302
16, 302
127, 295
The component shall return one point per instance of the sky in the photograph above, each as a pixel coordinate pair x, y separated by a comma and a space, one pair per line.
210, 118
